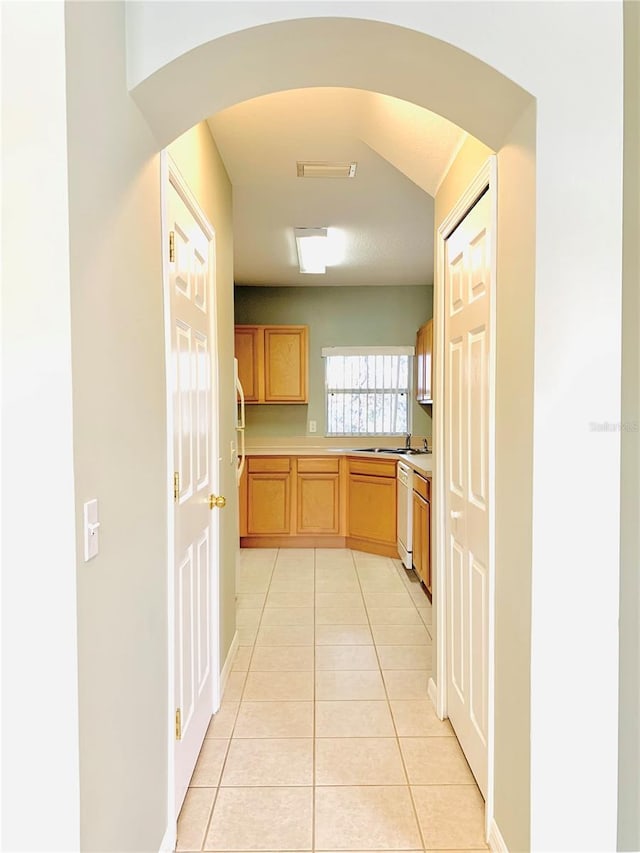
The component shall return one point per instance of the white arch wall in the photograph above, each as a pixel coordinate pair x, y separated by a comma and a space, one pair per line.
569, 57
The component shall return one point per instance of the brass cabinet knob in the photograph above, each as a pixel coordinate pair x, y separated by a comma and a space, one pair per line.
217, 501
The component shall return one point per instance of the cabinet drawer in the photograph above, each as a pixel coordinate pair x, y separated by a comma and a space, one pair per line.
422, 486
374, 467
268, 464
318, 465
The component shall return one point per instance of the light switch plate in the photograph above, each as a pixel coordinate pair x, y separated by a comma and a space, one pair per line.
91, 528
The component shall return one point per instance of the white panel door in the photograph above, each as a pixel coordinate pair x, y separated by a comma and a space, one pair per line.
196, 540
467, 295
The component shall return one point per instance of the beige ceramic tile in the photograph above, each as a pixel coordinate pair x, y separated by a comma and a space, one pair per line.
394, 616
290, 583
250, 601
288, 616
346, 657
209, 764
426, 614
349, 684
252, 582
222, 722
354, 818
285, 635
407, 683
343, 635
435, 761
337, 583
234, 686
282, 658
359, 761
363, 718
242, 659
404, 657
279, 686
401, 635
347, 615
261, 819
247, 636
451, 816
194, 816
302, 598
381, 583
388, 599
282, 761
274, 720
260, 556
417, 718
339, 599
248, 618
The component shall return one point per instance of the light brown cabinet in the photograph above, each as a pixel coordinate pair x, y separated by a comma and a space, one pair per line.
319, 502
422, 529
372, 506
318, 496
424, 363
267, 500
273, 363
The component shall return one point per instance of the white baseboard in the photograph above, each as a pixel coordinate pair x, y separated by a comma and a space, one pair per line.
168, 843
496, 841
432, 690
228, 664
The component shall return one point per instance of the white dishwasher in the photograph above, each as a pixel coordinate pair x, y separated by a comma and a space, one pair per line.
405, 514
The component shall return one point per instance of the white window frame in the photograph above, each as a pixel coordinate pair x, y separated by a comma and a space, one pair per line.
366, 351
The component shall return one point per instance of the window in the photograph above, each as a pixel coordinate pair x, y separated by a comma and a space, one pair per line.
368, 390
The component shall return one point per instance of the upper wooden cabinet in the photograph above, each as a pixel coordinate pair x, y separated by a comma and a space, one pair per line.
273, 363
424, 363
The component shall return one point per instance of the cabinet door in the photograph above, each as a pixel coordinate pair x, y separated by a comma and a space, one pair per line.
268, 503
418, 535
424, 363
420, 365
285, 363
422, 539
318, 503
372, 508
248, 349
427, 361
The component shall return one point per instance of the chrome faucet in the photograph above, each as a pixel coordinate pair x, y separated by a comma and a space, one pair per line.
407, 441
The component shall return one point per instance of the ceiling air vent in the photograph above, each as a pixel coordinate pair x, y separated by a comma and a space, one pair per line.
307, 169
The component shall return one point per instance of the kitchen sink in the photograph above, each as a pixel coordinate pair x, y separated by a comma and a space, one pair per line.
411, 451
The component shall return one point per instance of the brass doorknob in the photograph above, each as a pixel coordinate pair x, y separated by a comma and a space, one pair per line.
217, 501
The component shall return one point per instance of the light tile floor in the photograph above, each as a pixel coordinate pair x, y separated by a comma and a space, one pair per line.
326, 739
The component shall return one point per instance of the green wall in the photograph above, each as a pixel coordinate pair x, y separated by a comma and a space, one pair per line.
336, 316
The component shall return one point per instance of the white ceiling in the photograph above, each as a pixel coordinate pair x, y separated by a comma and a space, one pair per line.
382, 218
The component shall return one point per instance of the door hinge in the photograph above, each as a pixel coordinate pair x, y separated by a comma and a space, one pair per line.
178, 724
176, 486
172, 246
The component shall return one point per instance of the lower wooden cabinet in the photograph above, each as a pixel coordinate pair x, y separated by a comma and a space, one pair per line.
268, 498
372, 506
326, 501
422, 529
318, 509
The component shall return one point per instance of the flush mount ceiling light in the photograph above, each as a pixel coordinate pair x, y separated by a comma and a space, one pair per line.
312, 246
317, 169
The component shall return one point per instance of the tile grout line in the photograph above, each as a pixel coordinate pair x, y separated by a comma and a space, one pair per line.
393, 722
235, 720
313, 693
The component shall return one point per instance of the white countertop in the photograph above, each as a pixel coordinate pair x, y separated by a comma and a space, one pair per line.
421, 462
